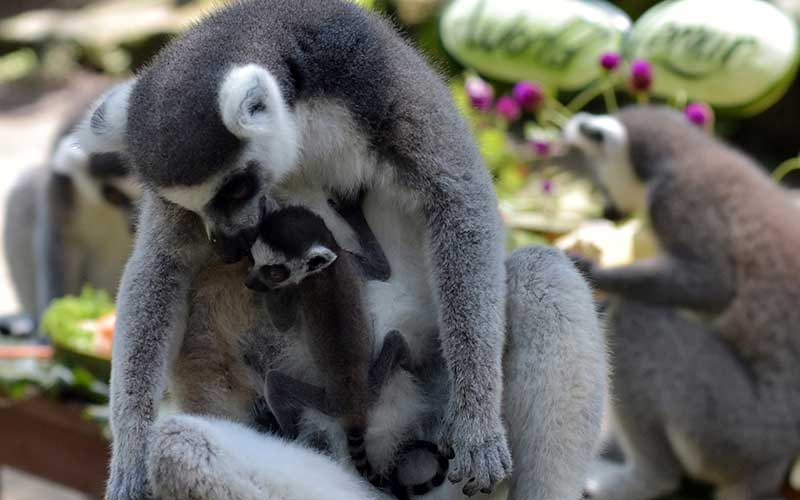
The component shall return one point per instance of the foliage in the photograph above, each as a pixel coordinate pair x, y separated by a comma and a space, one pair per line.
61, 321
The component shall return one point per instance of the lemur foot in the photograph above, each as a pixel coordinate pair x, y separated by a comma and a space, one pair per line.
478, 447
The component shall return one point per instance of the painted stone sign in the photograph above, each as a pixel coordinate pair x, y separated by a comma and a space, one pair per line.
737, 55
556, 43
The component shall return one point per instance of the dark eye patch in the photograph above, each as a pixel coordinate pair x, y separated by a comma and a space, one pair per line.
276, 273
591, 132
115, 197
236, 191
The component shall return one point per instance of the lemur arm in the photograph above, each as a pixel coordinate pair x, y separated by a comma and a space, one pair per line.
372, 261
695, 270
665, 281
464, 239
394, 354
57, 261
152, 312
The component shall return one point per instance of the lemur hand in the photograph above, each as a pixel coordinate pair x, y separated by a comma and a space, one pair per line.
478, 447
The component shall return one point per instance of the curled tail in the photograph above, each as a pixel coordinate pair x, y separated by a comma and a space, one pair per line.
404, 491
358, 454
391, 482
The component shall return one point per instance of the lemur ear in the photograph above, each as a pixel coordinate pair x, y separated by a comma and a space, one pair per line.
250, 101
103, 128
318, 258
68, 156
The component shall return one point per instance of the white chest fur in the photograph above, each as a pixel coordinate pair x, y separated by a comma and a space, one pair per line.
335, 156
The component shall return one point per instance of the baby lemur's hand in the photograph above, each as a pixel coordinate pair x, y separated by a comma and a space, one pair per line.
478, 447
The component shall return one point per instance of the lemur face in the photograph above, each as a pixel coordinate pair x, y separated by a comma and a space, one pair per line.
229, 206
293, 243
248, 136
273, 269
252, 108
604, 141
101, 178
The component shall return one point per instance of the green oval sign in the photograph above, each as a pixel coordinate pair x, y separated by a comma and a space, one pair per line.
737, 55
557, 44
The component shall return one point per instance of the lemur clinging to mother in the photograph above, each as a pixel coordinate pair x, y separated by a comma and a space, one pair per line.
705, 336
301, 101
295, 249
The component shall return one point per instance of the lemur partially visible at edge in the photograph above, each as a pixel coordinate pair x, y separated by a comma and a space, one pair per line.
705, 336
69, 222
295, 249
302, 101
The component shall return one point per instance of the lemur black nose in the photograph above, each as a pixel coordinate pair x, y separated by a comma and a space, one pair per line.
253, 282
227, 248
231, 248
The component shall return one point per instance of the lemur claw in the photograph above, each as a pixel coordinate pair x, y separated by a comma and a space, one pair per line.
481, 454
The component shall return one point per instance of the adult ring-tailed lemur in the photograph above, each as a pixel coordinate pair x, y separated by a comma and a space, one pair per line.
304, 101
69, 222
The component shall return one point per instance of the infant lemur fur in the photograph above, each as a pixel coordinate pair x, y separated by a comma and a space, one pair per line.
296, 249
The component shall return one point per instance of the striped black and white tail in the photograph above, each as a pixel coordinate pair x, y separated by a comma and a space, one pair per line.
391, 483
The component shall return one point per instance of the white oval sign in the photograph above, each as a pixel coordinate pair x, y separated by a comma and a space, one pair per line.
737, 55
556, 43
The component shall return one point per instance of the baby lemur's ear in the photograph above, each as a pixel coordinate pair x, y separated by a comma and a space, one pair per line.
318, 258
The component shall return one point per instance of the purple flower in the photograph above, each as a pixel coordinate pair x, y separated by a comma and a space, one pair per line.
528, 95
699, 113
481, 93
641, 75
541, 148
508, 108
548, 186
610, 60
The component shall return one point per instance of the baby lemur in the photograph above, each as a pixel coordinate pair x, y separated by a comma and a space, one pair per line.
296, 249
705, 336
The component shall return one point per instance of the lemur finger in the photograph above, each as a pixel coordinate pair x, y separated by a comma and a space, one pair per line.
498, 468
457, 468
480, 469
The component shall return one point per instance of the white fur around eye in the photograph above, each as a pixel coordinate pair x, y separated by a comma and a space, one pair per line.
252, 107
193, 198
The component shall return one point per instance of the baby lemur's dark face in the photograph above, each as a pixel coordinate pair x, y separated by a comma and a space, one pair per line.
292, 244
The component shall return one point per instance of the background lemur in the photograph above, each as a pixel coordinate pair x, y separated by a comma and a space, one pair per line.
713, 393
300, 100
295, 249
69, 222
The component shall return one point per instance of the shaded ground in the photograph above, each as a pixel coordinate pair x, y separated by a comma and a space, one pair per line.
16, 485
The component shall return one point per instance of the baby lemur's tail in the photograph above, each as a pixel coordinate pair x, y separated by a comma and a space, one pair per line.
391, 482
358, 454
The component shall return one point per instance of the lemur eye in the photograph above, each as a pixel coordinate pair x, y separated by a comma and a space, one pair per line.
115, 197
240, 191
591, 132
277, 273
